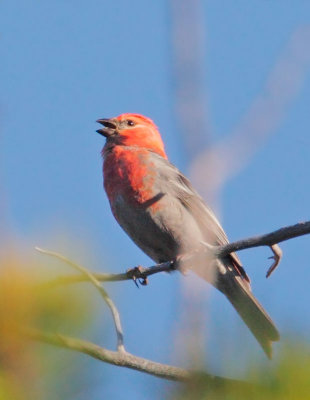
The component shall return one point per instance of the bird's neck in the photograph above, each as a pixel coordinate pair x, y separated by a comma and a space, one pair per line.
128, 143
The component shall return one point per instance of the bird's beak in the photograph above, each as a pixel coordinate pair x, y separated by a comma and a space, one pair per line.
109, 127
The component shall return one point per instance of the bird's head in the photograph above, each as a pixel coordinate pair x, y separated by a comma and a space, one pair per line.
132, 130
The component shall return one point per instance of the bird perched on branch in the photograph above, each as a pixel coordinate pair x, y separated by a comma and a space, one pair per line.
158, 208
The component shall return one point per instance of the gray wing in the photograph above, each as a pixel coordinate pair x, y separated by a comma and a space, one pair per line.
205, 218
234, 283
209, 226
192, 201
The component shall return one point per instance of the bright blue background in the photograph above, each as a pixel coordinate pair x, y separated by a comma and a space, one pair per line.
66, 63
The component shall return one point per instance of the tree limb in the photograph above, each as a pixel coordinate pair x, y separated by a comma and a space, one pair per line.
120, 357
89, 276
269, 239
125, 359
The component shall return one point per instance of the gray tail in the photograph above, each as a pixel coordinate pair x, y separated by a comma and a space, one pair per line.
250, 310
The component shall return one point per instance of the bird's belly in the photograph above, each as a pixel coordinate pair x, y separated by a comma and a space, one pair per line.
160, 226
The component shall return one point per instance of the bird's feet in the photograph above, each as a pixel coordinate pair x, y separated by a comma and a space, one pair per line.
137, 275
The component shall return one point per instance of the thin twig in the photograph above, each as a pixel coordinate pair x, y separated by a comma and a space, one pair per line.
269, 239
277, 255
133, 273
89, 276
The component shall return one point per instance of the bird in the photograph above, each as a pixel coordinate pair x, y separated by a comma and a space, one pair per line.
157, 206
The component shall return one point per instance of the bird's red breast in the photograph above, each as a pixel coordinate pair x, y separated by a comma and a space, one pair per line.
129, 173
128, 169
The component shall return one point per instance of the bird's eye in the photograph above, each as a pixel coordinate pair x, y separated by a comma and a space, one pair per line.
130, 122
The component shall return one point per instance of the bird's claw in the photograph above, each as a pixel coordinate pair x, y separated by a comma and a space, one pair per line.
277, 255
137, 275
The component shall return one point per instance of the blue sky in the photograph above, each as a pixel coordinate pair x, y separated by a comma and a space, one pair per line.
65, 64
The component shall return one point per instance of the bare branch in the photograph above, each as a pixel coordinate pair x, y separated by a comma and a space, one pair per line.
127, 360
269, 239
89, 276
132, 274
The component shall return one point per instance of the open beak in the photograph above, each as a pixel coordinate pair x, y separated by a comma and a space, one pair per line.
109, 127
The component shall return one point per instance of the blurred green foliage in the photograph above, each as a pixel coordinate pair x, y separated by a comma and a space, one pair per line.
30, 370
289, 379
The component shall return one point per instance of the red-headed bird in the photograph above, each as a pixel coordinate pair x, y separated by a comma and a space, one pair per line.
158, 208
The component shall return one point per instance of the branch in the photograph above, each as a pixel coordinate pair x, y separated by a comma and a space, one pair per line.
89, 276
141, 273
269, 239
128, 360
125, 359
120, 357
137, 273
